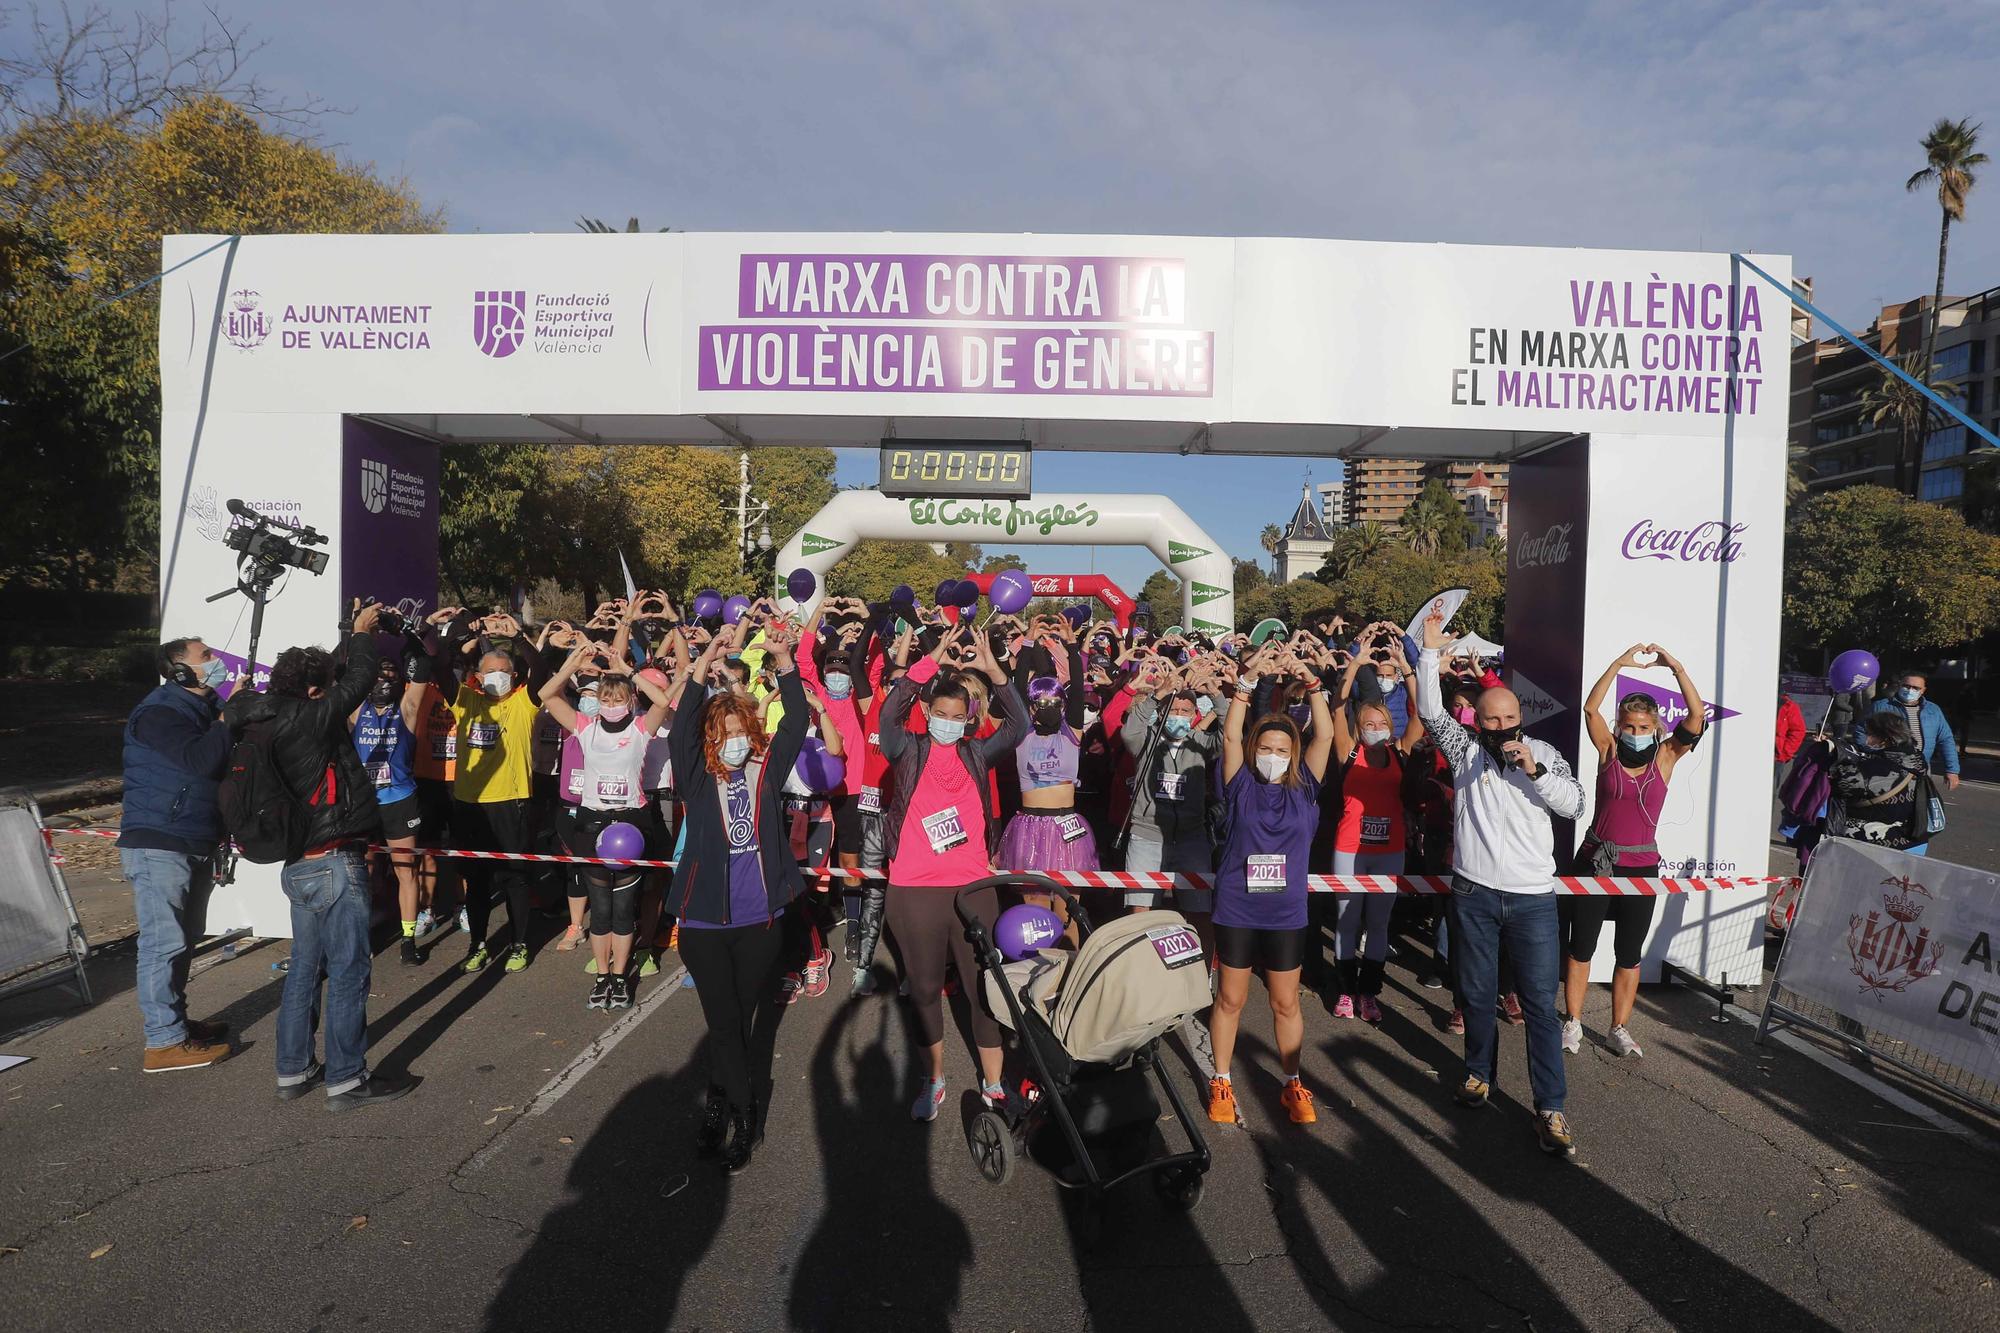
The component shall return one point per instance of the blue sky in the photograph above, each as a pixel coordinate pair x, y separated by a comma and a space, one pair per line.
1780, 127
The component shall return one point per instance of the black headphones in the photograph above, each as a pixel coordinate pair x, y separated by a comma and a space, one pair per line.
180, 673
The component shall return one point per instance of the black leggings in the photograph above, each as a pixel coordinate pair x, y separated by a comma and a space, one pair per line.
927, 932
492, 826
735, 971
1583, 919
613, 890
1274, 950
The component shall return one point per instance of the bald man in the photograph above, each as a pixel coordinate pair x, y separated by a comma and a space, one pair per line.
1506, 787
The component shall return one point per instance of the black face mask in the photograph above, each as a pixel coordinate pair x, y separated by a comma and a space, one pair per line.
384, 693
1494, 741
1048, 717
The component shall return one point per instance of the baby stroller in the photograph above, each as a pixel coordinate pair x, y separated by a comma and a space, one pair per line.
1090, 1023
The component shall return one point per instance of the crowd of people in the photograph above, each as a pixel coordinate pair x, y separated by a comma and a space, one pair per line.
849, 774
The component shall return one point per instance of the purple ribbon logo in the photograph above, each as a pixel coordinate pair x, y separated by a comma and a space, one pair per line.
1711, 542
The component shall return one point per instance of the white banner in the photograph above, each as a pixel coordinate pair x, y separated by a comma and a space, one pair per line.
1905, 946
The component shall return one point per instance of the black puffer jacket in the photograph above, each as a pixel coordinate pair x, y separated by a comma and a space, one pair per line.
315, 750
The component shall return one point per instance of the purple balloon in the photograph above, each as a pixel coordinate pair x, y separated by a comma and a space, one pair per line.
733, 609
707, 604
947, 593
965, 594
801, 584
1024, 928
818, 770
1010, 592
621, 842
1076, 613
1855, 669
901, 596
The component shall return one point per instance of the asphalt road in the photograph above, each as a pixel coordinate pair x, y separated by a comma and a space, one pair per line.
544, 1172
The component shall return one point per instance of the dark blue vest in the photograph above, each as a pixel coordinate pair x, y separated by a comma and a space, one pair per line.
162, 793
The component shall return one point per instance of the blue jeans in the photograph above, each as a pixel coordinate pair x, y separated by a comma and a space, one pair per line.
170, 897
1482, 920
329, 936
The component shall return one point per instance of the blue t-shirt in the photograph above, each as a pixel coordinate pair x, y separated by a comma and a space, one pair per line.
387, 748
749, 904
1262, 882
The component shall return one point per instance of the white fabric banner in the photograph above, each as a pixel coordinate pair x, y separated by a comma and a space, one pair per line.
1904, 945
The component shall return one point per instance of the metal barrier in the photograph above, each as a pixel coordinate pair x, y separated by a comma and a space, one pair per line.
41, 939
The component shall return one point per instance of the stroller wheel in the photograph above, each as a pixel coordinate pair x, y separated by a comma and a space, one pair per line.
993, 1150
1179, 1188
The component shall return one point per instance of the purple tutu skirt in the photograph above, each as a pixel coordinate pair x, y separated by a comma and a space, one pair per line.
1033, 841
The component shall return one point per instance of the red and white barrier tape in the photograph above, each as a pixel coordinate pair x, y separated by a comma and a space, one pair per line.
1579, 886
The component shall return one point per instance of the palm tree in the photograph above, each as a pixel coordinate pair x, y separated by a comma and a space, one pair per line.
1269, 539
1894, 403
599, 225
1949, 148
1353, 548
1420, 528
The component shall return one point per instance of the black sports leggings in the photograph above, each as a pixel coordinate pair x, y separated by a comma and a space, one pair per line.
735, 971
492, 826
613, 891
927, 932
1583, 917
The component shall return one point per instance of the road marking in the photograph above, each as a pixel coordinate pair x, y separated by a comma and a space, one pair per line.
571, 1074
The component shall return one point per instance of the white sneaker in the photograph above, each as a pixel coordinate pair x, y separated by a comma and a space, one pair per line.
929, 1099
464, 922
1621, 1042
1573, 1035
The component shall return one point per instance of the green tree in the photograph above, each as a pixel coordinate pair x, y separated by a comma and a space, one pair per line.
600, 226
1950, 155
1352, 547
1289, 602
1893, 403
994, 564
1866, 567
874, 568
1434, 524
1248, 576
1162, 591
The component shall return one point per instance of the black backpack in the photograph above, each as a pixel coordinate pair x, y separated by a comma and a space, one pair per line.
262, 815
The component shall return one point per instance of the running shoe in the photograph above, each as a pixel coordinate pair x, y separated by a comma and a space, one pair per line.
815, 974
1221, 1102
929, 1099
517, 958
621, 993
1621, 1042
1370, 1011
600, 994
994, 1095
1344, 1007
411, 953
1433, 981
464, 922
649, 966
426, 923
1473, 1092
571, 937
1573, 1035
791, 988
1455, 1025
1510, 1009
1552, 1128
477, 960
864, 981
1298, 1103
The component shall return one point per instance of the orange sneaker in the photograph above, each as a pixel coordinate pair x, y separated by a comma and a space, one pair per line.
1298, 1103
1221, 1102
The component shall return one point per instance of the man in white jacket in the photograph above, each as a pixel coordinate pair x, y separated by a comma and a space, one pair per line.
1503, 886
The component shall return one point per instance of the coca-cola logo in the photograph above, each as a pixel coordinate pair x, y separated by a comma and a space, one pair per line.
1551, 548
1712, 542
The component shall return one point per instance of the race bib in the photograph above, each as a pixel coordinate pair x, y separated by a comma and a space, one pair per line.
378, 772
871, 800
875, 739
944, 830
1171, 786
1072, 826
575, 783
613, 787
482, 735
1177, 946
550, 732
1375, 829
444, 745
1265, 874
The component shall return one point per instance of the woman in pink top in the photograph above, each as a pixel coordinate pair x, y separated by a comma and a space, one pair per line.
938, 838
1634, 763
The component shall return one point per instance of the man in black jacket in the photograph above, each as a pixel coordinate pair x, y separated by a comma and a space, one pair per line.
307, 710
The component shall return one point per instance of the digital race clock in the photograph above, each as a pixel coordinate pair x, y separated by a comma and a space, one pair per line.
951, 469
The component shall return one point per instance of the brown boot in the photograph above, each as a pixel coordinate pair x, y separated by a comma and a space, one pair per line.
190, 1054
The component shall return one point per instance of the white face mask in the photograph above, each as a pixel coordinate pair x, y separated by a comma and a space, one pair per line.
497, 683
735, 751
946, 730
839, 684
1374, 735
1388, 683
1273, 766
587, 705
1089, 718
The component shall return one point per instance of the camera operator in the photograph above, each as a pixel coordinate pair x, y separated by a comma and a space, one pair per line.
175, 751
307, 710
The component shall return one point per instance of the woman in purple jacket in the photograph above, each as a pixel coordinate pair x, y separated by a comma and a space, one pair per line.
1260, 891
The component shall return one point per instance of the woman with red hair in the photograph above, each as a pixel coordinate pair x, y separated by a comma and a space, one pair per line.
736, 878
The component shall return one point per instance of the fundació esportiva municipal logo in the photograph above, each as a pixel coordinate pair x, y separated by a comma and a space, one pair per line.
499, 321
244, 323
374, 485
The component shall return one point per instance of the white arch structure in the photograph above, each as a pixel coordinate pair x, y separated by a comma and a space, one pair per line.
1208, 598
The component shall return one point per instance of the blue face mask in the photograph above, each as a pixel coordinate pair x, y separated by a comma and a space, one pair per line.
587, 705
1909, 694
1179, 727
214, 673
839, 685
947, 731
1638, 744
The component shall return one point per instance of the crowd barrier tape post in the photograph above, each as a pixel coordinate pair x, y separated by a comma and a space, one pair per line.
1891, 955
